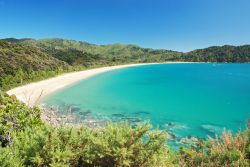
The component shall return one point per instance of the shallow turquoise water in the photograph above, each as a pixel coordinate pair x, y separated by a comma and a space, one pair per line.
185, 99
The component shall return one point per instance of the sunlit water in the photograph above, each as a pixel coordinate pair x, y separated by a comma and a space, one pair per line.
184, 99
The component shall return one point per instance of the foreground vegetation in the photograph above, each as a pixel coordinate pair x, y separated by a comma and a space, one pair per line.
28, 141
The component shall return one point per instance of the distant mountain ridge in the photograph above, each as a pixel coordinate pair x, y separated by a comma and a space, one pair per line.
226, 53
38, 59
113, 51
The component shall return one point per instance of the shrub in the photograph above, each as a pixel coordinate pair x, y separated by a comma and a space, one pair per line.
15, 116
115, 145
224, 151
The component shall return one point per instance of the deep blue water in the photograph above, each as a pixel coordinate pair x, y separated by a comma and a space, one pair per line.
185, 99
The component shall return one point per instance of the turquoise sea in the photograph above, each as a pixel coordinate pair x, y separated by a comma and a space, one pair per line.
197, 99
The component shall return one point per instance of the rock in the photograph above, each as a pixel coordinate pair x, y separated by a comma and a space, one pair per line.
132, 119
84, 113
118, 115
190, 140
141, 112
172, 135
75, 109
212, 128
170, 124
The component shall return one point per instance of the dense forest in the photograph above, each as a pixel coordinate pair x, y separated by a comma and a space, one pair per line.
77, 52
26, 60
226, 53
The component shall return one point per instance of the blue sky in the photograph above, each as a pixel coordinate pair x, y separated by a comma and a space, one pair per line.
180, 25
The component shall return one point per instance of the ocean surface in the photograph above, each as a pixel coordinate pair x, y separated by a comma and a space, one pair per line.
184, 99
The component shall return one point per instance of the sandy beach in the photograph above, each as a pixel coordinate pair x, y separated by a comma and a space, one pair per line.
32, 93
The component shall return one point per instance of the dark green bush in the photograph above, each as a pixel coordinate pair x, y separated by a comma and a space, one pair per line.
15, 116
115, 145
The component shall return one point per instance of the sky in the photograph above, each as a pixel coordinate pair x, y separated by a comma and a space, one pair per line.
181, 25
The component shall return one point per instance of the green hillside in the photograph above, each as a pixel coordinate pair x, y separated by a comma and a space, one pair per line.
116, 53
224, 53
26, 60
20, 64
83, 53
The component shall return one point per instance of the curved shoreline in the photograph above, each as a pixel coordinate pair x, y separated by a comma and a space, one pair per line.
31, 93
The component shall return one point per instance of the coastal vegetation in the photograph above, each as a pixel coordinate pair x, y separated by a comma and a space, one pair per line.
20, 64
27, 60
226, 53
28, 141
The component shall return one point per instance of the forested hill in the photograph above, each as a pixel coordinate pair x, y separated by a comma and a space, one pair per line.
224, 53
83, 53
20, 64
26, 60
